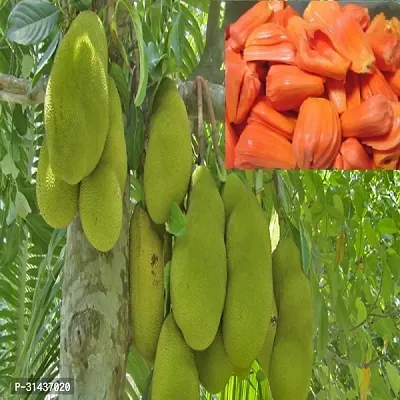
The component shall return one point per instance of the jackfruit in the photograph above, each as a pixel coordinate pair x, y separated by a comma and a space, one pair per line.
76, 101
168, 162
292, 353
198, 267
100, 207
243, 373
249, 294
265, 355
175, 375
232, 192
114, 152
57, 200
213, 366
146, 267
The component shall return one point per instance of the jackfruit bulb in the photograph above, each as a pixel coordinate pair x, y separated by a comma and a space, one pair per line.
114, 152
292, 353
146, 271
249, 295
198, 267
265, 355
175, 375
213, 366
100, 207
57, 200
168, 161
76, 101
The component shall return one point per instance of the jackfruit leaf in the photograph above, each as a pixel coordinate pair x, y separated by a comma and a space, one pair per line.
192, 27
27, 65
394, 377
8, 167
323, 333
49, 52
305, 248
115, 71
176, 223
155, 14
337, 201
176, 38
81, 5
387, 225
21, 205
154, 61
274, 230
19, 120
143, 58
202, 5
31, 21
361, 311
12, 214
136, 190
189, 56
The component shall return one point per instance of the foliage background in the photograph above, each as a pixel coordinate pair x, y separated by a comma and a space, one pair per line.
346, 224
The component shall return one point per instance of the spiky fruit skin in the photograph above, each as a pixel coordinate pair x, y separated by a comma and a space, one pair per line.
114, 152
57, 200
265, 355
198, 268
100, 207
231, 193
249, 295
168, 161
175, 375
76, 102
213, 366
292, 354
146, 272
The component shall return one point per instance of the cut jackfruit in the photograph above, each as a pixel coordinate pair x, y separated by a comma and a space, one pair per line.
76, 102
57, 200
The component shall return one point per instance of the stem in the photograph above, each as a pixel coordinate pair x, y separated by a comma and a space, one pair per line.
200, 127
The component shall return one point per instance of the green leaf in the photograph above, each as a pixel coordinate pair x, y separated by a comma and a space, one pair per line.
176, 38
51, 48
361, 311
31, 21
176, 223
337, 201
323, 333
21, 205
387, 225
20, 121
27, 65
274, 229
394, 377
8, 166
203, 5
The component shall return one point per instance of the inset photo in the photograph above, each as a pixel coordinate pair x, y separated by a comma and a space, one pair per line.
313, 85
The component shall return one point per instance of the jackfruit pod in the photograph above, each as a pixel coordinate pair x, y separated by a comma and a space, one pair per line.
261, 147
344, 32
375, 83
372, 118
393, 79
395, 24
378, 24
390, 140
242, 86
282, 17
230, 144
277, 5
387, 160
352, 87
338, 163
288, 86
337, 94
264, 113
317, 136
386, 47
354, 155
240, 30
361, 14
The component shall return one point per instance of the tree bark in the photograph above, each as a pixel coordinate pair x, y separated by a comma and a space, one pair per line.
94, 331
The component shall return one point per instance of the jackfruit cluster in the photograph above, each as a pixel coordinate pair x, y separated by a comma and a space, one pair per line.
83, 163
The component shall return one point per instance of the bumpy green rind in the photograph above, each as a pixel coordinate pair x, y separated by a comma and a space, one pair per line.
175, 375
168, 161
232, 192
292, 354
146, 272
100, 207
76, 102
57, 200
198, 268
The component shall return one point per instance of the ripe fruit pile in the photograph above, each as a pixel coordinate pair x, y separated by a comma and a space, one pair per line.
222, 315
318, 91
83, 162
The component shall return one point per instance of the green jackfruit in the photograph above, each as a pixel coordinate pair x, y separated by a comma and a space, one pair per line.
57, 200
213, 366
146, 267
292, 354
168, 162
249, 295
198, 267
100, 207
243, 373
76, 102
114, 152
175, 375
265, 355
232, 192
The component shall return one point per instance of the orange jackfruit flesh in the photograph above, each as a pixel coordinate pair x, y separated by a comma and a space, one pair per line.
393, 79
372, 118
387, 160
378, 24
338, 163
361, 14
317, 135
261, 147
352, 87
230, 143
354, 155
386, 47
288, 86
282, 17
375, 83
337, 94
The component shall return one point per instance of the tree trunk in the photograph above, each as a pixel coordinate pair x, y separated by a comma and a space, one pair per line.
95, 315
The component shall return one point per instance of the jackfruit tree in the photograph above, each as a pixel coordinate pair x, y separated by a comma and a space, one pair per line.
133, 263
